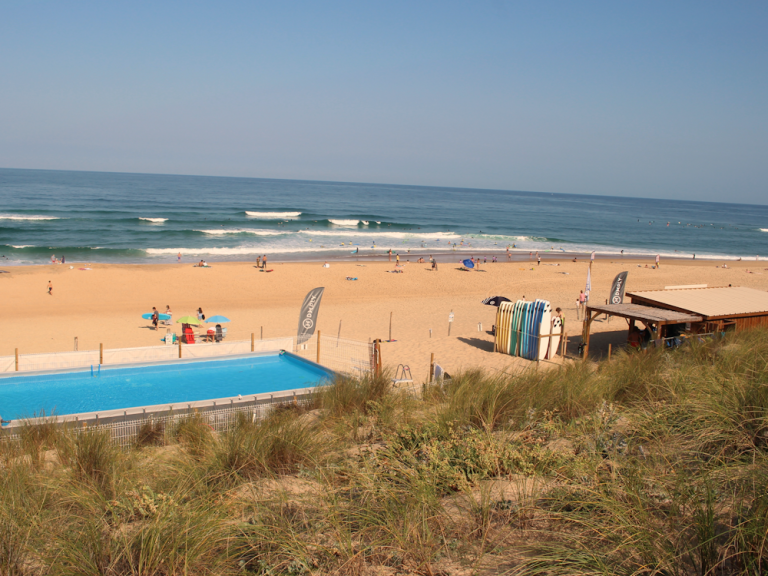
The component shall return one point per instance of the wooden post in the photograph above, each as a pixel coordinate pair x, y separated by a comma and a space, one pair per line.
431, 366
262, 333
17, 359
101, 353
179, 347
338, 336
564, 345
318, 346
609, 351
390, 326
75, 343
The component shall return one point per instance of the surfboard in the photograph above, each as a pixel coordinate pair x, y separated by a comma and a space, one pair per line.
148, 316
510, 310
545, 327
528, 329
502, 323
524, 328
514, 327
554, 345
533, 330
497, 342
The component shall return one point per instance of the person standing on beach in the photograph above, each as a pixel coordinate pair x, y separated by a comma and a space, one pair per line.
155, 317
258, 261
397, 259
582, 303
200, 315
264, 261
538, 260
50, 288
179, 257
390, 254
657, 261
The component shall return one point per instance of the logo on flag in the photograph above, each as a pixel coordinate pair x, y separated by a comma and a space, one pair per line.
308, 315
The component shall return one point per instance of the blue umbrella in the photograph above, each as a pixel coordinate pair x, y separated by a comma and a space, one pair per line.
468, 263
148, 316
217, 320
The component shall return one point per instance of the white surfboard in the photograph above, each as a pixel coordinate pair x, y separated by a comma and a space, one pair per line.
554, 345
544, 328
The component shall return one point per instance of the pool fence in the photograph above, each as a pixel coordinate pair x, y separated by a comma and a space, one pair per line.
338, 354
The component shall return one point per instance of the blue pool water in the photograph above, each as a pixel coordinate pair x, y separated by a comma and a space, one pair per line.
177, 383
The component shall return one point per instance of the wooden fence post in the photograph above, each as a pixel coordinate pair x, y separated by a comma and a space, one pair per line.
17, 359
609, 351
101, 353
318, 346
253, 337
431, 366
179, 347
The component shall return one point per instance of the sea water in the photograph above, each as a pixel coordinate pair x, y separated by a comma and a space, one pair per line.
142, 218
173, 383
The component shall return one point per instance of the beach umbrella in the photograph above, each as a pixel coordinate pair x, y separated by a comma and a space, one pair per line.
189, 320
495, 300
217, 320
148, 316
468, 263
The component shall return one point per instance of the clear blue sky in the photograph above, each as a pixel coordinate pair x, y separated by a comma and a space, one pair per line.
656, 99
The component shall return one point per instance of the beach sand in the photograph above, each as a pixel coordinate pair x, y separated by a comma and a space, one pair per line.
104, 304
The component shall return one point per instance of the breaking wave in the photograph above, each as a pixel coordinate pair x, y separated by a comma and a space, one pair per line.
344, 222
273, 215
254, 231
155, 220
19, 217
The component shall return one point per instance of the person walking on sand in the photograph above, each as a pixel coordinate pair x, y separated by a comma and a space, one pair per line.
389, 252
179, 258
50, 288
582, 303
397, 259
155, 317
538, 260
657, 261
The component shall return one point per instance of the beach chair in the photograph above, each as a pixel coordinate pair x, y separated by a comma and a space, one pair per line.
219, 333
402, 376
187, 335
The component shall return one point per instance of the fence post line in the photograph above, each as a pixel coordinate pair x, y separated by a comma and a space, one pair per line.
318, 346
431, 366
253, 337
17, 359
101, 353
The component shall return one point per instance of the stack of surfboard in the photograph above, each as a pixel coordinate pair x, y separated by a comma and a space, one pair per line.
520, 326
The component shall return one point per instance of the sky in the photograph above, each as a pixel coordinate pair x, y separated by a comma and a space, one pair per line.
649, 99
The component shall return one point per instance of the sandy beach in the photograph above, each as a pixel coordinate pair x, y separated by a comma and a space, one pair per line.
104, 304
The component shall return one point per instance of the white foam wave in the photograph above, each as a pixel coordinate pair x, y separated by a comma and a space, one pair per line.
155, 220
364, 222
18, 217
22, 246
344, 222
373, 235
273, 215
255, 231
242, 250
763, 229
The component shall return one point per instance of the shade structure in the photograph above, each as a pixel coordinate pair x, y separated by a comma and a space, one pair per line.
216, 320
148, 316
495, 300
189, 320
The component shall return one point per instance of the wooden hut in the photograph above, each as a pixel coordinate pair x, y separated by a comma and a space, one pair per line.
693, 310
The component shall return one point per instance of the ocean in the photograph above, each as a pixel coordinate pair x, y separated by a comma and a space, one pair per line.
147, 218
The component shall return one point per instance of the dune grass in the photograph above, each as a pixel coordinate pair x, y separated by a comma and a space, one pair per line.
647, 464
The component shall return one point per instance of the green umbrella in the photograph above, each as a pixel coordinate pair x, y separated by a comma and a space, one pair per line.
189, 320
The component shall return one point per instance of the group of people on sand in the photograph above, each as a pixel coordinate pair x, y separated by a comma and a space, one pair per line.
55, 260
156, 316
261, 261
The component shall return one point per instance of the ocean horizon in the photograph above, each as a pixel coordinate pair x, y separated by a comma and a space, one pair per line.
150, 218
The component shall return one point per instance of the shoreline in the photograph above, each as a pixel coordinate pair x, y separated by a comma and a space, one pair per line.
517, 255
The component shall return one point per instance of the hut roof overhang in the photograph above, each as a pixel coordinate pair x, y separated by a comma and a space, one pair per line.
710, 303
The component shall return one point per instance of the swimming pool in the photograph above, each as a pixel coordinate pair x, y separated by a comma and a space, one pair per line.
176, 383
